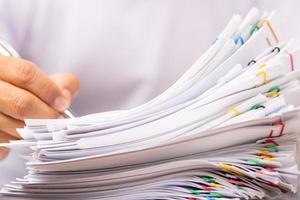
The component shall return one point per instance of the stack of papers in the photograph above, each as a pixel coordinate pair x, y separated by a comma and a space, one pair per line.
227, 129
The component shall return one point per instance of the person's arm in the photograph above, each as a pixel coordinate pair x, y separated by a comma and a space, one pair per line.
27, 92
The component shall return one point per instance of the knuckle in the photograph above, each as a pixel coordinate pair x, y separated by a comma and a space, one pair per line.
22, 106
26, 72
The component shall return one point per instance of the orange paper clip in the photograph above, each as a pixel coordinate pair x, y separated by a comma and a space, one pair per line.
262, 23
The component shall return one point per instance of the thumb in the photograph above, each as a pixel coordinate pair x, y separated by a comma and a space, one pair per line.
68, 83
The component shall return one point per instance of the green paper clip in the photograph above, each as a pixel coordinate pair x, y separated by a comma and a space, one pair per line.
207, 179
256, 106
253, 162
195, 192
254, 29
274, 89
216, 194
239, 187
272, 148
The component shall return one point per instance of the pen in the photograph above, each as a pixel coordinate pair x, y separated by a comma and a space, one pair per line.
7, 50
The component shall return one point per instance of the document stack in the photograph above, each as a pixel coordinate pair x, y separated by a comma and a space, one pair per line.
227, 129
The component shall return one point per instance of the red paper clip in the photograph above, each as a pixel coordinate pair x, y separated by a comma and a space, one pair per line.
271, 169
236, 182
206, 188
292, 62
279, 123
269, 141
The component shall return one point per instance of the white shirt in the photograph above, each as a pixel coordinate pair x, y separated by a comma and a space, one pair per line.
124, 52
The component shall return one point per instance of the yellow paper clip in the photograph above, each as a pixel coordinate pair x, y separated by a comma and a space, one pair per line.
233, 110
269, 159
272, 31
264, 74
230, 169
215, 185
262, 65
264, 152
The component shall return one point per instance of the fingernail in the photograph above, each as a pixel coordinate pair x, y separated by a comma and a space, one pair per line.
61, 103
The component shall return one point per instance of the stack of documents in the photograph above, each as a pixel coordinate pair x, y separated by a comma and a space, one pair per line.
227, 129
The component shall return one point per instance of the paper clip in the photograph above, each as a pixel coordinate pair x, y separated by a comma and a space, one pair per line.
207, 188
216, 194
239, 39
270, 169
271, 134
270, 141
267, 156
236, 182
272, 148
251, 62
230, 169
273, 92
208, 179
262, 153
272, 31
257, 106
275, 48
254, 162
254, 29
282, 125
195, 192
264, 74
292, 61
215, 185
269, 159
262, 65
233, 110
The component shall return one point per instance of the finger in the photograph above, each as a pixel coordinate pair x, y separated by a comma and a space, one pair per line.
9, 125
4, 138
3, 152
20, 104
68, 82
28, 76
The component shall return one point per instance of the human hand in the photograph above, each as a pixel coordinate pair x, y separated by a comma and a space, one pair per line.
27, 92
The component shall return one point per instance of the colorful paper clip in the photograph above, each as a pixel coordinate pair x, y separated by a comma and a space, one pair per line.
270, 141
262, 23
282, 125
254, 29
292, 61
233, 110
273, 92
257, 106
264, 75
239, 39
262, 65
230, 169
